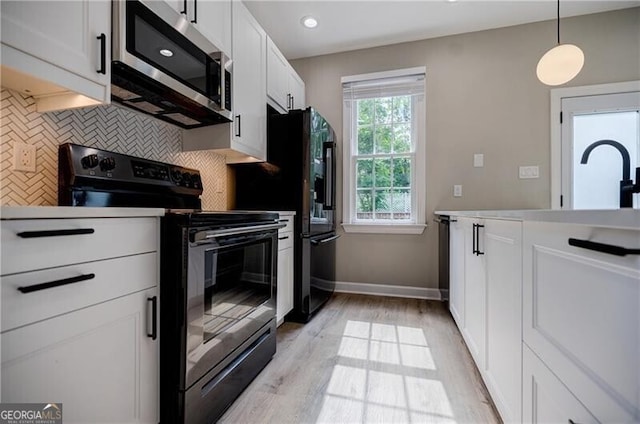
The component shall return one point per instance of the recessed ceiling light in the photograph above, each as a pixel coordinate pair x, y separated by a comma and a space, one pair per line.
309, 22
166, 52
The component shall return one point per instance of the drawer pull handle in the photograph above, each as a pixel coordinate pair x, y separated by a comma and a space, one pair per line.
283, 238
154, 317
603, 248
570, 421
283, 220
56, 283
55, 233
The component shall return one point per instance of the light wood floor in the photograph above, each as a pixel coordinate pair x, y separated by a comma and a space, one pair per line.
366, 359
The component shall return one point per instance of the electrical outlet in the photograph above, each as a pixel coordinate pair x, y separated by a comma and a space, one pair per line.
219, 185
529, 172
457, 191
24, 157
478, 160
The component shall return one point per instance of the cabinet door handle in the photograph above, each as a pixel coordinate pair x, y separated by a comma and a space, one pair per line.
56, 283
195, 12
103, 54
55, 233
603, 248
473, 243
476, 239
283, 238
184, 7
239, 125
154, 317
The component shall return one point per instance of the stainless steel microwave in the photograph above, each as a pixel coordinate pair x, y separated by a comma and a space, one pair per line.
164, 67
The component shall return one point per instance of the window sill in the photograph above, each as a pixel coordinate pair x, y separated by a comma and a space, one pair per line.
384, 228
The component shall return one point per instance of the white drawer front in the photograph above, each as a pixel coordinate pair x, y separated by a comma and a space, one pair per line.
582, 315
111, 237
112, 278
545, 399
288, 220
285, 241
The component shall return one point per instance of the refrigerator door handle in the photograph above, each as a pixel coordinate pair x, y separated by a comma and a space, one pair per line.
326, 240
328, 175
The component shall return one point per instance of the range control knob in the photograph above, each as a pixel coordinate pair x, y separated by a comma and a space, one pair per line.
187, 179
107, 164
176, 176
89, 161
197, 182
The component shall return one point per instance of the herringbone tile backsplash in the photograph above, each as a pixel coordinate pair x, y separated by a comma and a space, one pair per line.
104, 127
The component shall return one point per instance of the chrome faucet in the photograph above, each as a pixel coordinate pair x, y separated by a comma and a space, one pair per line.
627, 187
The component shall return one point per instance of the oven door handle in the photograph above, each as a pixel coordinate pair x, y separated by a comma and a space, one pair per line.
202, 236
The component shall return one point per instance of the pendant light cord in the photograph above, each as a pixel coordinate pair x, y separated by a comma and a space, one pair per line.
558, 21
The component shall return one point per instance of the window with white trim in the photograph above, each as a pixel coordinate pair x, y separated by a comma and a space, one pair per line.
384, 152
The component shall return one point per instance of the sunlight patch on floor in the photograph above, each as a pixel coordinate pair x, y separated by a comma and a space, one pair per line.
364, 394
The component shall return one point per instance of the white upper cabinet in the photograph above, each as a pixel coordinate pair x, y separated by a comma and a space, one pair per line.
212, 18
296, 91
285, 88
54, 47
245, 139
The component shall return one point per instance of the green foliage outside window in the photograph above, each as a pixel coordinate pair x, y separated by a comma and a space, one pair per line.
383, 160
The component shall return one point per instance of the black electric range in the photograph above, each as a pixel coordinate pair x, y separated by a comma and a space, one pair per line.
217, 277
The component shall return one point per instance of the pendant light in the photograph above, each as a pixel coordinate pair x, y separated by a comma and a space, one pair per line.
560, 64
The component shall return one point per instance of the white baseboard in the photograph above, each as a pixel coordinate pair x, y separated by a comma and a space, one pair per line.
387, 290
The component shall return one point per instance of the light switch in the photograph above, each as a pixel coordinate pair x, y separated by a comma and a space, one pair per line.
457, 191
478, 160
529, 172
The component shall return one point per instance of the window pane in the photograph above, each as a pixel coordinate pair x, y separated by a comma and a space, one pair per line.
383, 204
383, 139
365, 111
402, 109
401, 204
384, 110
401, 172
402, 138
364, 173
382, 172
365, 140
364, 204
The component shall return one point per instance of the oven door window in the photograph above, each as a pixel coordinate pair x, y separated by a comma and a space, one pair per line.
238, 279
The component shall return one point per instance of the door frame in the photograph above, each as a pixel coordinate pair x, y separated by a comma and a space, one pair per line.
557, 94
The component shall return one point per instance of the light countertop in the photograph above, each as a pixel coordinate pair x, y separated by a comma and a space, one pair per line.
57, 212
619, 218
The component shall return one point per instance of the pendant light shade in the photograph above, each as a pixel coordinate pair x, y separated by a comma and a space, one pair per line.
562, 63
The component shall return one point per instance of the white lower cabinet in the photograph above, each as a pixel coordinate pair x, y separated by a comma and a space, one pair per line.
502, 242
581, 309
485, 301
98, 362
80, 325
456, 270
475, 292
545, 399
284, 287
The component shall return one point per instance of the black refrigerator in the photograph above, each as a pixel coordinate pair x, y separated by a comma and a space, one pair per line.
299, 175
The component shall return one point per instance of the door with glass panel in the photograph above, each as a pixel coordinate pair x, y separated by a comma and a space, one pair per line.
600, 148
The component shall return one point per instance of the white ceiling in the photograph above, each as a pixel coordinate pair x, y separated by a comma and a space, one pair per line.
355, 24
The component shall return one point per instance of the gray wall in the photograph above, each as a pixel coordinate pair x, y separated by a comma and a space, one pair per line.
482, 97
